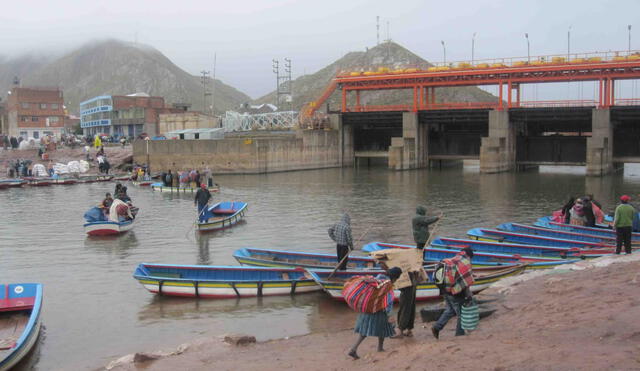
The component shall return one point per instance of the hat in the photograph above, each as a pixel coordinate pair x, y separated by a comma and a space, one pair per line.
203, 186
625, 198
469, 251
394, 273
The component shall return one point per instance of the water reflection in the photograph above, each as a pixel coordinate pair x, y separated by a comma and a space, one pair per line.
204, 258
119, 245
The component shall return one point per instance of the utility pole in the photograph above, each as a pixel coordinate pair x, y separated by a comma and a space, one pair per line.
378, 30
526, 35
444, 51
276, 70
204, 79
283, 82
629, 46
289, 88
569, 44
213, 88
473, 44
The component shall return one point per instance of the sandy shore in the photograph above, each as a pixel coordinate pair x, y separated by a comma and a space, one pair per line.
585, 318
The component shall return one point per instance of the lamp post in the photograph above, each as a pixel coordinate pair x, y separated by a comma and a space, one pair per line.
444, 51
629, 46
473, 42
568, 43
526, 35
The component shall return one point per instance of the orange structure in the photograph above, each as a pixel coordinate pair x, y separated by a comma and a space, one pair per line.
605, 68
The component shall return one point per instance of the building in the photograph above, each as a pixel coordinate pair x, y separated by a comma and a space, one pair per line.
122, 115
170, 122
34, 112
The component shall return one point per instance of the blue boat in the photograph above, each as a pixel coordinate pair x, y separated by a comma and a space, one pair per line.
546, 222
487, 234
12, 183
20, 306
222, 215
556, 233
221, 282
280, 258
513, 248
438, 252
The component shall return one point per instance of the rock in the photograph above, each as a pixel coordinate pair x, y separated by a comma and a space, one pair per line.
144, 357
122, 361
239, 339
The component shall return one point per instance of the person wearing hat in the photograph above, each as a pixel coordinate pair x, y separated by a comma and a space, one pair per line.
202, 200
623, 222
457, 292
375, 324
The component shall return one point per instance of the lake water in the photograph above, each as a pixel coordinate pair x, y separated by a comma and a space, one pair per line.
94, 311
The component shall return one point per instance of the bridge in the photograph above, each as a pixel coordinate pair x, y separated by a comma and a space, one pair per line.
504, 134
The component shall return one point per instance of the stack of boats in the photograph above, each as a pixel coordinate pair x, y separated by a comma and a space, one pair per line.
504, 251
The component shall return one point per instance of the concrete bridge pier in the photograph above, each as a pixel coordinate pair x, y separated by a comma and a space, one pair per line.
498, 150
409, 151
600, 145
345, 140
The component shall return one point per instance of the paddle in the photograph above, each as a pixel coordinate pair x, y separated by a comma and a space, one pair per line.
348, 252
433, 231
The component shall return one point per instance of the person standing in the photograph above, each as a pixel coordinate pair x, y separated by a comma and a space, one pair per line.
622, 222
340, 233
202, 200
168, 179
375, 324
407, 308
456, 288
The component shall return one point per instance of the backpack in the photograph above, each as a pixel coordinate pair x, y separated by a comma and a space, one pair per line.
444, 275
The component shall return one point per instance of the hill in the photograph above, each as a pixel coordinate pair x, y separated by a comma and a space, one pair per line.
308, 88
114, 67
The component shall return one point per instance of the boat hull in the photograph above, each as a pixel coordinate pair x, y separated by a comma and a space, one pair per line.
144, 183
107, 228
485, 234
188, 190
546, 222
216, 282
221, 221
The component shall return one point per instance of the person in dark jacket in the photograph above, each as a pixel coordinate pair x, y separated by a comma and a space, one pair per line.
341, 234
420, 224
202, 200
588, 213
168, 179
566, 209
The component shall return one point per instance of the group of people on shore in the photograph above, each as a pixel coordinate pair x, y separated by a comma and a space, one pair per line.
453, 277
188, 178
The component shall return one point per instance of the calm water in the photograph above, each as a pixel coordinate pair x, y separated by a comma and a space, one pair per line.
94, 311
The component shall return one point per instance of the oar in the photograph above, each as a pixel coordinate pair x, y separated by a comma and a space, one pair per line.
197, 219
348, 252
433, 231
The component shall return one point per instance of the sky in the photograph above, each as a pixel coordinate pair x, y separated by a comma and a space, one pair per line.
246, 35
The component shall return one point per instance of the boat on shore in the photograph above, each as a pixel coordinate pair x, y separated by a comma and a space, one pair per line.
20, 307
546, 222
514, 248
94, 178
425, 291
487, 234
222, 282
556, 233
160, 187
222, 215
38, 182
13, 183
142, 183
64, 181
436, 252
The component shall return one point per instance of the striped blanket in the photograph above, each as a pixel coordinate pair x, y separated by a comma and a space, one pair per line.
366, 294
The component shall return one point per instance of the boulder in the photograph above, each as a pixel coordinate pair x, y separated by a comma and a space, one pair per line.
239, 339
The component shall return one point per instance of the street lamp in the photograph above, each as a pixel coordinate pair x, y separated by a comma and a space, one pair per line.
629, 47
444, 51
473, 42
568, 43
526, 35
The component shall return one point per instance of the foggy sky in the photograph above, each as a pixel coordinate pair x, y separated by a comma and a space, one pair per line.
248, 34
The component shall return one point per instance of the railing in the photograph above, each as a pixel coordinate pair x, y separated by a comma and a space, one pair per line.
557, 103
235, 121
627, 102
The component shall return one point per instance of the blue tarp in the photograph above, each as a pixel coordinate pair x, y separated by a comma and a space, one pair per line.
94, 215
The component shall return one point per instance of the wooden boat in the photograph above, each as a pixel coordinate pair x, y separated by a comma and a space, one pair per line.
110, 228
546, 222
122, 178
94, 178
104, 178
222, 215
279, 258
20, 306
160, 187
486, 234
556, 233
142, 183
425, 291
64, 181
437, 252
13, 183
38, 182
513, 248
205, 281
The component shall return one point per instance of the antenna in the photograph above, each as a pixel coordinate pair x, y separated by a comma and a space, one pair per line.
213, 89
377, 30
388, 39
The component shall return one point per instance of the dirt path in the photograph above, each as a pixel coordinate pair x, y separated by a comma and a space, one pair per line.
561, 320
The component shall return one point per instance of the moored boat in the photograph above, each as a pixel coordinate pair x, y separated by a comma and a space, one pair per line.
98, 225
486, 234
13, 183
142, 183
556, 233
4, 186
221, 282
64, 181
546, 222
425, 291
221, 215
20, 306
514, 248
38, 182
437, 252
160, 187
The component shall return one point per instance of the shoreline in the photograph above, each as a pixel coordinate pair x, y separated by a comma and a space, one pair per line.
582, 316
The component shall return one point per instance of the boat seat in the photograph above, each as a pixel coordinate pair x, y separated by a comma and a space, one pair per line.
8, 342
224, 211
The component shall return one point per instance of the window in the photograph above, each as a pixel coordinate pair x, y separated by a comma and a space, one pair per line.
24, 105
34, 118
53, 119
36, 134
23, 134
43, 106
54, 106
24, 118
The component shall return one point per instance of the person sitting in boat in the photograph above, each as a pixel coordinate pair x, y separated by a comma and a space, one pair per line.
119, 211
105, 205
202, 200
118, 188
122, 195
577, 216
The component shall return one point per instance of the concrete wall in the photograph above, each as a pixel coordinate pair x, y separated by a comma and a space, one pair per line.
600, 145
498, 150
187, 120
308, 149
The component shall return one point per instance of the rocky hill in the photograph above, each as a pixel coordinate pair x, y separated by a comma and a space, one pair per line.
308, 88
116, 68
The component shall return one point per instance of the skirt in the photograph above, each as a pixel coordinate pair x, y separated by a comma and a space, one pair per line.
374, 324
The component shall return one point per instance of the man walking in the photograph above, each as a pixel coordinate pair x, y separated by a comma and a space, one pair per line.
341, 234
622, 222
454, 278
202, 200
